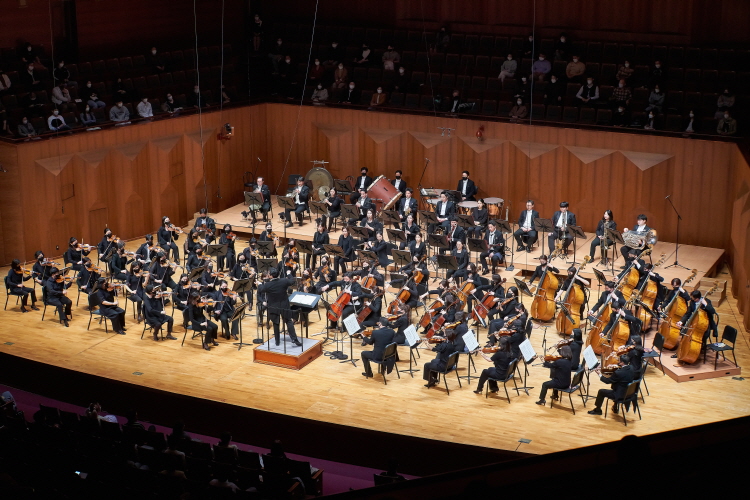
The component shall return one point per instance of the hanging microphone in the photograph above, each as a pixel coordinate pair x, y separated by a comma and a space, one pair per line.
427, 160
258, 158
668, 196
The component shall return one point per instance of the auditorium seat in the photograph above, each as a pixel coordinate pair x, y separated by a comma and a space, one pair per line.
494, 84
570, 114
578, 48
627, 51
486, 44
554, 113
611, 53
587, 116
676, 56
643, 54
113, 66
411, 101
709, 79
692, 79
603, 117
396, 100
607, 73
673, 123
536, 112
502, 44
489, 107
426, 103
694, 57
726, 59
594, 51
659, 53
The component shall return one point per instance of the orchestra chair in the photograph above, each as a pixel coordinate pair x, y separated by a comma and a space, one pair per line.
527, 331
644, 365
146, 326
9, 292
728, 336
95, 311
380, 480
631, 397
390, 352
44, 301
185, 251
658, 344
575, 385
450, 366
195, 334
510, 375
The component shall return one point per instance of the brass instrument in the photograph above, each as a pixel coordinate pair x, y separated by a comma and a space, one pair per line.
605, 238
639, 241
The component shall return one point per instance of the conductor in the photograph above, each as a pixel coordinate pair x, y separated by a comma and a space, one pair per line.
277, 304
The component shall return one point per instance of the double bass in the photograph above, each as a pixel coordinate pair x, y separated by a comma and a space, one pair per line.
631, 277
617, 337
671, 314
595, 339
693, 332
543, 307
482, 309
648, 292
572, 300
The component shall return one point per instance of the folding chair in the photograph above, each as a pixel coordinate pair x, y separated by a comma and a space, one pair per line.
390, 352
575, 385
510, 375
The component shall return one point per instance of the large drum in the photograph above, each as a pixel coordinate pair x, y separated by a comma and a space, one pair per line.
432, 204
383, 193
466, 206
320, 177
494, 207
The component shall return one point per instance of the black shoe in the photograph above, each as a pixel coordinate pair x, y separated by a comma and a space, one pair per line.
244, 214
124, 329
120, 332
520, 248
140, 318
171, 337
35, 308
214, 343
493, 391
24, 310
289, 225
278, 342
366, 375
234, 336
297, 343
65, 322
541, 402
156, 337
595, 411
528, 249
478, 391
615, 409
205, 346
363, 342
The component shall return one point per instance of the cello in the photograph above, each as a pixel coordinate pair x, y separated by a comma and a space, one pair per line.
402, 298
337, 308
482, 309
543, 306
648, 293
438, 323
572, 300
632, 276
671, 314
595, 339
693, 332
365, 312
427, 316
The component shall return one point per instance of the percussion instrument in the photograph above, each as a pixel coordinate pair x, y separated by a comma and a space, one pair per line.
494, 205
320, 177
432, 204
466, 206
382, 189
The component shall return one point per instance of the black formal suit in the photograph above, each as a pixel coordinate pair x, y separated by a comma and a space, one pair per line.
363, 181
347, 244
167, 242
481, 217
154, 318
444, 351
319, 239
709, 308
471, 189
334, 210
73, 257
278, 306
638, 264
301, 207
144, 255
418, 251
350, 96
604, 297
531, 235
450, 210
462, 259
409, 203
495, 250
619, 381
265, 193
413, 230
381, 250
56, 297
401, 186
540, 271
196, 317
379, 340
501, 361
104, 247
401, 324
365, 204
560, 377
376, 226
231, 257
114, 313
454, 235
670, 295
193, 261
597, 242
625, 250
557, 233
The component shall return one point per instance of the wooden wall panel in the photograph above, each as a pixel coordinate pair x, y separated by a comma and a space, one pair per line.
739, 245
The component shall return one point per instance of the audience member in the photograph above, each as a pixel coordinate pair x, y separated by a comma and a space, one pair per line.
4, 121
25, 129
56, 123
317, 71
29, 55
621, 95
62, 75
691, 126
554, 91
523, 88
340, 78
656, 76
29, 78
33, 104
508, 68
541, 68
170, 106
456, 103
119, 113
334, 55
724, 103
156, 61
144, 109
60, 94
519, 111
378, 98
727, 125
133, 422
650, 121
87, 117
276, 54
624, 72
120, 92
91, 98
621, 118
575, 70
528, 47
196, 99
442, 40
363, 59
287, 77
320, 95
226, 95
257, 30
390, 59
588, 94
225, 441
350, 95
655, 100
401, 82
5, 83
562, 46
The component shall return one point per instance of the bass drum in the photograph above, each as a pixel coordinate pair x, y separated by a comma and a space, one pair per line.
319, 176
384, 193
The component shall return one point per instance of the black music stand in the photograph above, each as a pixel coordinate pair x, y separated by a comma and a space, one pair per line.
350, 212
401, 258
304, 247
286, 202
505, 228
266, 264
577, 232
253, 199
243, 286
616, 240
265, 247
306, 302
343, 186
360, 232
466, 221
367, 254
195, 273
428, 217
523, 288
239, 312
543, 226
455, 195
396, 235
447, 262
389, 216
216, 250
599, 276
319, 208
439, 241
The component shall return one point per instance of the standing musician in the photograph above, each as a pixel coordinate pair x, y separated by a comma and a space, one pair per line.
575, 348
620, 312
196, 259
526, 228
495, 248
265, 192
455, 234
619, 380
371, 223
168, 233
561, 220
227, 238
200, 323
610, 294
640, 230
88, 276
108, 306
362, 182
541, 269
650, 275
320, 238
134, 284
347, 244
16, 276
300, 194
347, 284
57, 291
269, 235
75, 253
559, 374
156, 316
334, 208
40, 270
466, 187
277, 303
226, 301
407, 205
411, 230
444, 351
206, 223
380, 338
242, 270
444, 210
462, 259
161, 272
480, 215
501, 361
606, 222
696, 300
399, 183
363, 204
632, 259
147, 251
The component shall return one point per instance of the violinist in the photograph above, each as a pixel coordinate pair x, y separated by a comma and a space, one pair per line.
289, 258
581, 283
196, 258
495, 248
541, 269
324, 274
57, 291
444, 351
147, 251
40, 270
380, 339
305, 282
462, 261
182, 297
209, 278
559, 374
134, 283
118, 263
226, 301
320, 238
269, 235
375, 303
448, 311
561, 220
107, 244
16, 276
460, 328
161, 273
610, 294
443, 289
501, 361
619, 380
75, 253
194, 240
480, 215
88, 275
518, 325
277, 303
371, 223
251, 253
526, 228
411, 230
607, 222
207, 224
242, 270
108, 306
407, 205
200, 323
347, 244
300, 195
227, 238
455, 234
347, 284
168, 233
381, 249
635, 353
156, 316
334, 208
505, 307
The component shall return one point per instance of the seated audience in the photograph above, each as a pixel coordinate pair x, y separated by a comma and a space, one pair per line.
655, 100
508, 68
724, 103
541, 68
727, 125
378, 98
90, 97
144, 109
119, 113
624, 72
319, 95
87, 117
575, 70
588, 94
25, 129
621, 95
519, 111
56, 123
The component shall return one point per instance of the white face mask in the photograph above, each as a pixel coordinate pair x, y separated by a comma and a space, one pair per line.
575, 60
620, 110
627, 65
320, 87
401, 70
351, 87
119, 105
317, 63
650, 117
380, 91
726, 117
510, 58
621, 85
153, 52
519, 102
341, 66
88, 85
590, 82
334, 45
56, 112
541, 59
25, 122
553, 80
656, 91
658, 66
691, 115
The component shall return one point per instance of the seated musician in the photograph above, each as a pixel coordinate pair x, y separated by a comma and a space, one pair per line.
370, 270
418, 249
324, 274
576, 347
518, 326
347, 244
399, 183
408, 204
269, 235
541, 270
466, 187
200, 323
75, 253
57, 294
156, 316
561, 220
401, 323
88, 275
650, 275
320, 238
134, 284
380, 338
620, 312
411, 230
640, 230
228, 239
376, 306
619, 380
147, 251
526, 234
460, 328
362, 182
207, 224
300, 195
480, 216
364, 203
109, 306
347, 284
371, 223
196, 258
168, 233
503, 309
289, 258
462, 261
265, 192
15, 279
697, 300
581, 282
610, 294
444, 351
495, 248
635, 344
559, 374
40, 270
607, 221
455, 234
334, 208
501, 361
182, 297
226, 301
242, 270
161, 273
251, 253
444, 210
448, 311
118, 263
472, 276
633, 260
493, 287
106, 244
676, 289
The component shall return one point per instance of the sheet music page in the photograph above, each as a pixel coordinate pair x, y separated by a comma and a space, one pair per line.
590, 357
351, 324
470, 340
412, 337
527, 351
305, 299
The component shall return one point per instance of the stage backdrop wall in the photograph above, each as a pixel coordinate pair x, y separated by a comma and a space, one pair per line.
739, 245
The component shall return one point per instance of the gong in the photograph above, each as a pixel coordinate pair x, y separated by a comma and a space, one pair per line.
319, 177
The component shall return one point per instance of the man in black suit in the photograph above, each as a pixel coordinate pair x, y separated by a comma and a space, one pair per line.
559, 375
265, 192
300, 195
619, 380
399, 183
364, 204
495, 250
379, 339
276, 302
350, 95
204, 220
455, 233
640, 230
444, 210
698, 301
526, 228
407, 202
541, 269
610, 294
466, 187
562, 219
362, 182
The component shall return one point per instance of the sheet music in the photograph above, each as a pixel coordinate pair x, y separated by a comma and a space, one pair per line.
412, 338
590, 357
470, 340
305, 299
527, 351
351, 324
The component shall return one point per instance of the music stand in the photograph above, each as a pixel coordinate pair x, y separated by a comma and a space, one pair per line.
241, 287
599, 276
447, 262
367, 254
265, 247
319, 208
343, 186
306, 302
359, 232
466, 221
350, 212
523, 288
577, 234
543, 226
478, 245
253, 199
428, 217
616, 239
304, 246
506, 229
398, 236
401, 258
389, 216
239, 312
266, 264
195, 273
216, 250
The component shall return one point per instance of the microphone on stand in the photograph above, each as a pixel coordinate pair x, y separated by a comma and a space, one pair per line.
667, 197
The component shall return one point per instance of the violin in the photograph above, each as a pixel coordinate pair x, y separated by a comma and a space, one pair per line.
208, 302
229, 293
160, 295
113, 239
23, 270
231, 236
292, 257
94, 269
47, 262
64, 279
550, 358
84, 247
174, 229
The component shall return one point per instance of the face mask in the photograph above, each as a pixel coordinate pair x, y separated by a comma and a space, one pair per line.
554, 80
153, 52
278, 42
575, 60
691, 115
627, 65
620, 110
88, 85
531, 38
169, 98
88, 109
656, 91
56, 112
317, 63
621, 85
658, 66
380, 91
726, 117
590, 82
518, 102
119, 106
351, 87
562, 39
341, 66
541, 59
650, 117
60, 65
28, 49
320, 87
25, 122
401, 70
510, 58
288, 61
334, 45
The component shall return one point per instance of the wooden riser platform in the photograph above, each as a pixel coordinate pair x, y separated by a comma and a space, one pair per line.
294, 358
698, 370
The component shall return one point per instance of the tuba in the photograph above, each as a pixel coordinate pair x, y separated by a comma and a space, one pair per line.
640, 241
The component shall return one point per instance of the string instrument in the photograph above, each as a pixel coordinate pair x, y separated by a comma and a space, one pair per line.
595, 339
47, 262
464, 292
482, 309
23, 270
617, 337
551, 358
198, 239
563, 342
113, 239
607, 369
437, 323
206, 229
367, 310
648, 294
174, 229
402, 298
231, 236
84, 247
230, 294
572, 301
337, 308
427, 316
490, 349
68, 280
369, 281
292, 257
94, 269
543, 307
208, 302
672, 313
693, 332
632, 276
162, 294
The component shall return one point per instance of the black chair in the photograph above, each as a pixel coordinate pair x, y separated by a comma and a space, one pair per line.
225, 454
95, 310
9, 292
450, 365
575, 385
728, 335
390, 352
248, 459
312, 481
630, 397
195, 334
510, 375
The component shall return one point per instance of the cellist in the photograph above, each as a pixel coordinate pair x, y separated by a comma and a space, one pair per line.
495, 288
347, 284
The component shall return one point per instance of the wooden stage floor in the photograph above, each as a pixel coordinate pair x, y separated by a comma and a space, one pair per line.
329, 391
